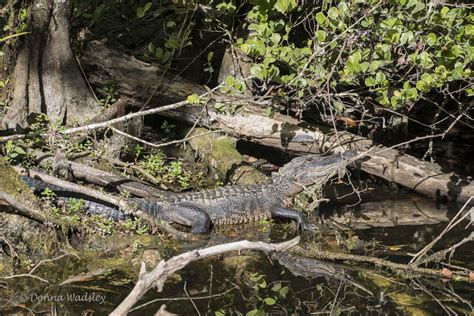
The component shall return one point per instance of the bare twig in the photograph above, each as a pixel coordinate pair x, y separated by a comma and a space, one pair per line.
456, 220
168, 299
52, 260
439, 255
12, 249
31, 275
157, 277
95, 126
178, 141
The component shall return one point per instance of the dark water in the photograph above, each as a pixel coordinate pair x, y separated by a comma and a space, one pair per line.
255, 282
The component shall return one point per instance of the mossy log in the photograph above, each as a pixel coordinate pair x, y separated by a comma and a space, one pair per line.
221, 155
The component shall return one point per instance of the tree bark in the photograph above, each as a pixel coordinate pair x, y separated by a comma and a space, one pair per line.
46, 77
135, 80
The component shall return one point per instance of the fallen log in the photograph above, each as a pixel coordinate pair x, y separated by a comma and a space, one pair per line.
136, 80
101, 178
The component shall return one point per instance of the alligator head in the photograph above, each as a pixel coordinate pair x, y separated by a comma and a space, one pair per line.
309, 170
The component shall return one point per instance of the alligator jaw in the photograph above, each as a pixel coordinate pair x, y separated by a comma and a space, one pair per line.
311, 170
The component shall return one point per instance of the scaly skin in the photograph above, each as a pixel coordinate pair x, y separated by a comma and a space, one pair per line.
238, 204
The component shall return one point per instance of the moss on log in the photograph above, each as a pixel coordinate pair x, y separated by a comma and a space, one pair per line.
222, 157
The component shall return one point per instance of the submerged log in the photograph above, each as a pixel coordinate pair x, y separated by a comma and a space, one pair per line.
137, 80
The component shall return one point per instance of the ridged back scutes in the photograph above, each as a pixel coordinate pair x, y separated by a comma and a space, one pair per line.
220, 193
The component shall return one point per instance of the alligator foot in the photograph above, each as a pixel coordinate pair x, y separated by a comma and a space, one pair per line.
189, 214
297, 216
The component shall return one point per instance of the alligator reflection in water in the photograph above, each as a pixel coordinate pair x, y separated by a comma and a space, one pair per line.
389, 213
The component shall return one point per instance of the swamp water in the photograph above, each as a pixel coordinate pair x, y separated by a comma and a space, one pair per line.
255, 283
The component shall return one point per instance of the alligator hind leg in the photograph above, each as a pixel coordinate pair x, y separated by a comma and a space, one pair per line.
291, 214
190, 215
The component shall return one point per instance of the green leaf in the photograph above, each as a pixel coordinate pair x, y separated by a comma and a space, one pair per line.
419, 6
269, 111
147, 6
375, 65
193, 99
151, 48
171, 24
159, 52
166, 56
469, 29
229, 80
343, 8
284, 290
370, 81
321, 35
209, 56
431, 39
257, 71
220, 107
285, 5
275, 38
252, 312
444, 11
19, 150
381, 79
140, 12
406, 37
172, 43
321, 19
269, 301
339, 107
276, 287
333, 13
427, 78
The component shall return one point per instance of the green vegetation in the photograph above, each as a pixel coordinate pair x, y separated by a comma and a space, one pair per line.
166, 173
343, 55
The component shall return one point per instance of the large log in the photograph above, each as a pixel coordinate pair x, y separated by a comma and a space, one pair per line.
137, 80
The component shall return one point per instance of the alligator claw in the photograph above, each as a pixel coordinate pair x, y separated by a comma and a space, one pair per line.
304, 225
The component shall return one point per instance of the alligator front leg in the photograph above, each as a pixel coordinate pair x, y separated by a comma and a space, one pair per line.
189, 215
291, 214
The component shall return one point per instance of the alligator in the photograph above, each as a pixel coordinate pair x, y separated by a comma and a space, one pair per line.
233, 204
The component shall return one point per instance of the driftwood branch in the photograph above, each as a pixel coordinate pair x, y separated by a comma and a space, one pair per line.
100, 177
135, 80
157, 277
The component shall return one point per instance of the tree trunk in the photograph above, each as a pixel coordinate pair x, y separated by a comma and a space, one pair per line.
46, 77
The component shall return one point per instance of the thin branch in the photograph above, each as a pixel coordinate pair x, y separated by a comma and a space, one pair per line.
439, 255
168, 299
95, 126
456, 220
124, 118
178, 141
52, 260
